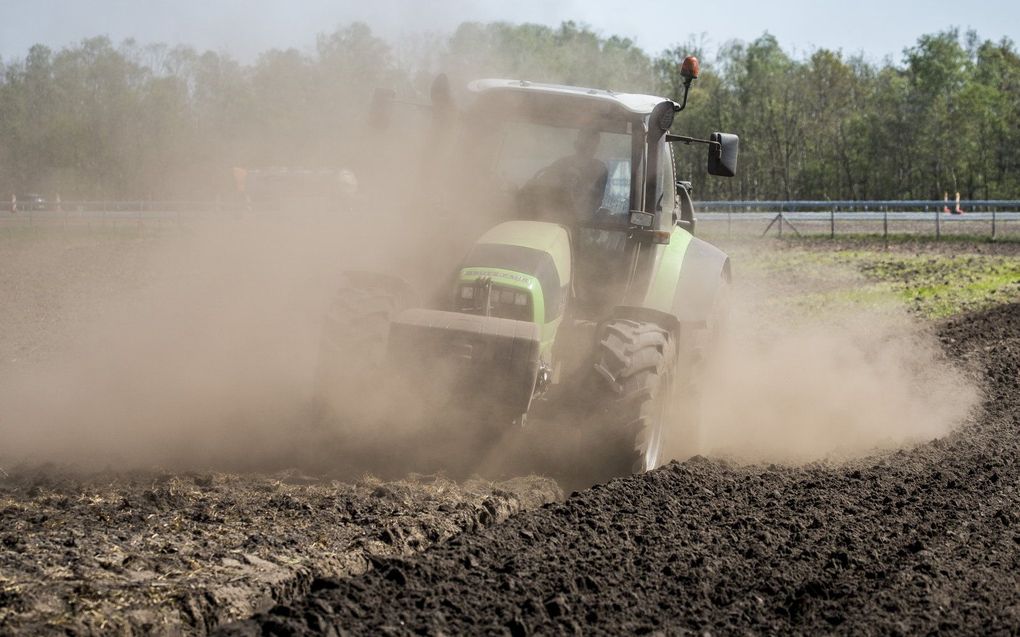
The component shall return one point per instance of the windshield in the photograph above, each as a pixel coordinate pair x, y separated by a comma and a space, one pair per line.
584, 172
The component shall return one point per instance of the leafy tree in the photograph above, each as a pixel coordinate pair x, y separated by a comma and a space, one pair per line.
98, 120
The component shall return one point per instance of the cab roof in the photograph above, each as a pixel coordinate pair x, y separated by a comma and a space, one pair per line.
632, 102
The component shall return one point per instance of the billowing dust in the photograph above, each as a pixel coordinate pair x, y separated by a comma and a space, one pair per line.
209, 357
212, 352
792, 384
208, 354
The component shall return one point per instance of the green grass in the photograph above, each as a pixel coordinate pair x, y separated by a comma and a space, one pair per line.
947, 285
933, 285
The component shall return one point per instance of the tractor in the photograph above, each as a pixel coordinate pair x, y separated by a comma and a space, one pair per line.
588, 298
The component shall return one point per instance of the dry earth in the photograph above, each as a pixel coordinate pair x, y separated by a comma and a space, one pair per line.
169, 554
86, 550
920, 541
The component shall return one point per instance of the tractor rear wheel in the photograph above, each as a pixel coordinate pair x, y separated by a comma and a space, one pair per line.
635, 371
352, 352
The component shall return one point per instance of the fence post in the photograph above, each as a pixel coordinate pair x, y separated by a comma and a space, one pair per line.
993, 223
885, 225
832, 223
938, 223
729, 223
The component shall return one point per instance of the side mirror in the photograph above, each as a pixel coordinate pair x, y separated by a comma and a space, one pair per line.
443, 107
722, 154
439, 92
380, 112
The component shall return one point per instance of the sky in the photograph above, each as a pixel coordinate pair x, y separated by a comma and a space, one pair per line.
243, 28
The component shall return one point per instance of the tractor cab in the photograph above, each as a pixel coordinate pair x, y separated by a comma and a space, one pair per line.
597, 162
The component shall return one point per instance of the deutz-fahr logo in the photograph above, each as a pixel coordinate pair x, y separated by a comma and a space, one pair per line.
501, 275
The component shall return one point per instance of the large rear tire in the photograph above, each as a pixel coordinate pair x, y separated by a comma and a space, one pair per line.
352, 352
635, 371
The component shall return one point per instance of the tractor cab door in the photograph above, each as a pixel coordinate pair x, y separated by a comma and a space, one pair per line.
601, 244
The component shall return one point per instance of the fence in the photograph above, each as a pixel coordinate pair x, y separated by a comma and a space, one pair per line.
150, 214
106, 213
996, 219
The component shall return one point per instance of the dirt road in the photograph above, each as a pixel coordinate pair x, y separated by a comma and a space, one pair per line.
914, 542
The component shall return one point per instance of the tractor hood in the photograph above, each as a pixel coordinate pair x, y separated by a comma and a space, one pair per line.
525, 250
534, 236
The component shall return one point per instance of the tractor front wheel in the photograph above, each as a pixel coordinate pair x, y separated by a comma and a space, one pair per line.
635, 371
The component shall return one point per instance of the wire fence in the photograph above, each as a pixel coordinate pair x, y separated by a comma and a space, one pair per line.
106, 212
149, 214
993, 219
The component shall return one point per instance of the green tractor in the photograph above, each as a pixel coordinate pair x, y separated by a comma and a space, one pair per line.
589, 298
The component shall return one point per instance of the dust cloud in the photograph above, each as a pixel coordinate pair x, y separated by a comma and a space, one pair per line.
211, 353
209, 357
205, 356
788, 385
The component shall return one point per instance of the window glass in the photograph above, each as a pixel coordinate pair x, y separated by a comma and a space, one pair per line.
595, 175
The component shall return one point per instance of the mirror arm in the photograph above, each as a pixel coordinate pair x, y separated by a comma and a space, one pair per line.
684, 139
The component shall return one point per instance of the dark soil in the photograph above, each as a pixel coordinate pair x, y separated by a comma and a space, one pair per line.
914, 542
180, 554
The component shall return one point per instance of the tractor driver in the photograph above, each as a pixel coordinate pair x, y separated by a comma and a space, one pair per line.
583, 175
575, 184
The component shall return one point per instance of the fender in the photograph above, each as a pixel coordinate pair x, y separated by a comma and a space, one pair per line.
686, 277
704, 268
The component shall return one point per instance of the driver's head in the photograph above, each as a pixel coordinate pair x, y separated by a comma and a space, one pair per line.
587, 142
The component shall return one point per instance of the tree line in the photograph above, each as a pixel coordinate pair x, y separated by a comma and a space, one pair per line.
98, 120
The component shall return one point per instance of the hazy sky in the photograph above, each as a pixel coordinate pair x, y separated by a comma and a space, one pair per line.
878, 28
